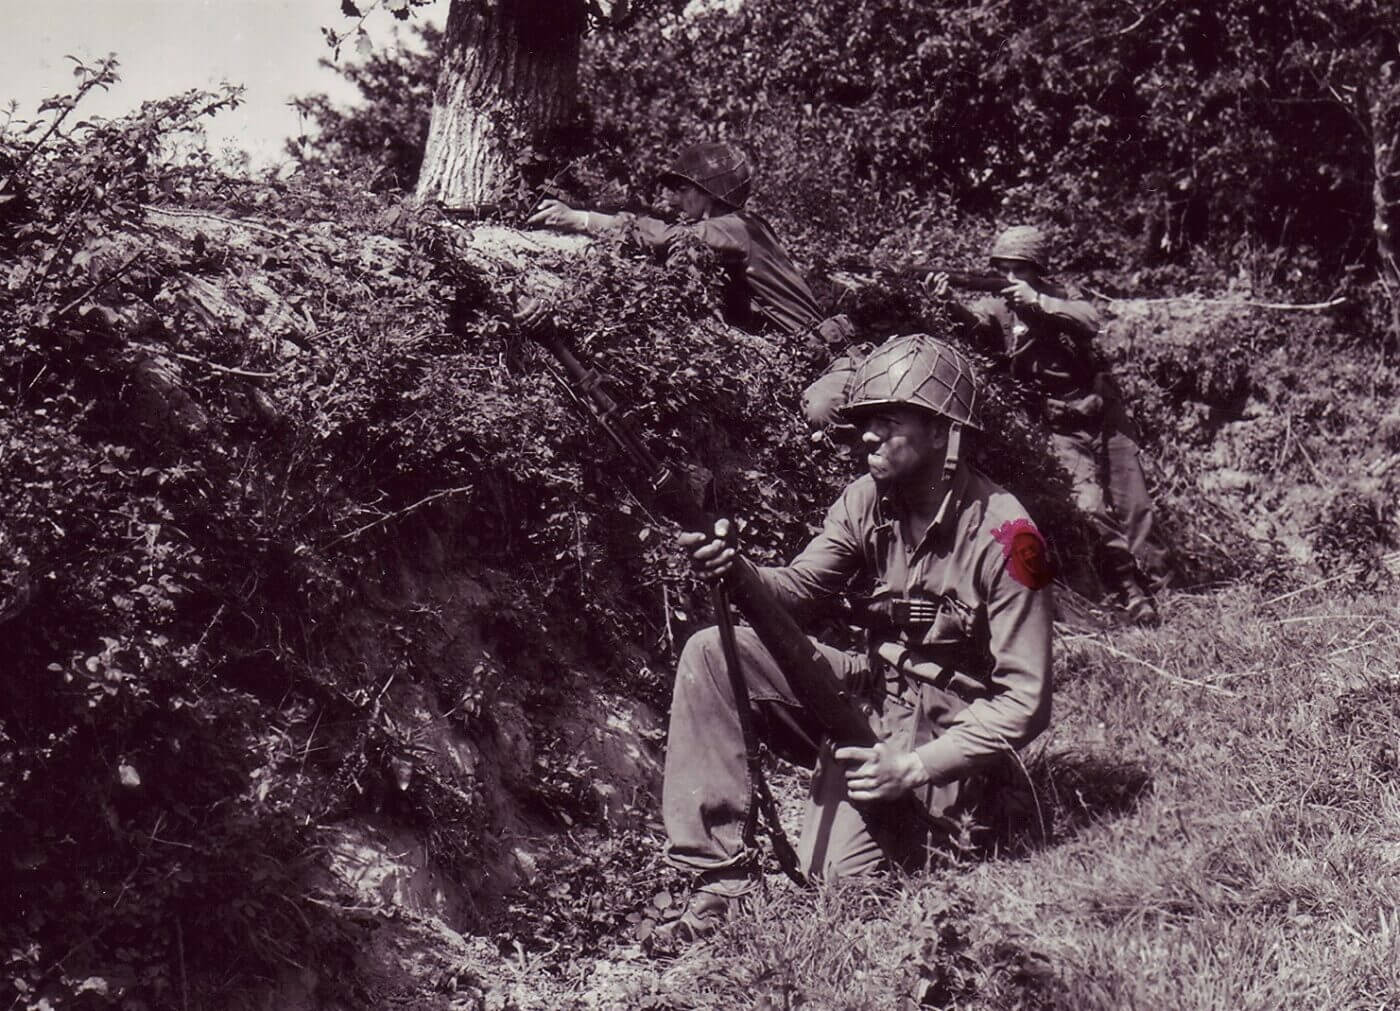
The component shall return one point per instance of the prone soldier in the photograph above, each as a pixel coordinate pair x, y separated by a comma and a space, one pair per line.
708, 185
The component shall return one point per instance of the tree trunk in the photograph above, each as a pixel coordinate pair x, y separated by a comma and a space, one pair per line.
1385, 188
509, 72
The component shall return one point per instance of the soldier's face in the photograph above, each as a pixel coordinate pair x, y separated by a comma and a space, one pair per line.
1019, 269
903, 445
692, 202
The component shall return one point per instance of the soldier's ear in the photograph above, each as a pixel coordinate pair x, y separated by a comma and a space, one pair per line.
938, 427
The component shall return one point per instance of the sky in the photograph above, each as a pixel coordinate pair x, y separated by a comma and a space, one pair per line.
271, 47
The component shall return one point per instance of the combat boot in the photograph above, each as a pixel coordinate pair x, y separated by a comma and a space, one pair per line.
1139, 606
703, 915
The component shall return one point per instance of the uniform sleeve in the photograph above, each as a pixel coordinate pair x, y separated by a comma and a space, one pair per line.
825, 566
1073, 316
725, 235
1017, 707
979, 320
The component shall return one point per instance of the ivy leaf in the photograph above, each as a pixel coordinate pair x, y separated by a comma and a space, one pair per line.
363, 45
349, 9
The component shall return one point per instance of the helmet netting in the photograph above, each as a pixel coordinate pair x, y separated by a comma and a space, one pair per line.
922, 371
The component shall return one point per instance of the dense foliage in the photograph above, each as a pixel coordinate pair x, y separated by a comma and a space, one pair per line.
384, 133
233, 405
1202, 135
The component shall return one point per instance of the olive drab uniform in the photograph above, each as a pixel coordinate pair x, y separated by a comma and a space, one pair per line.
969, 595
765, 290
1051, 349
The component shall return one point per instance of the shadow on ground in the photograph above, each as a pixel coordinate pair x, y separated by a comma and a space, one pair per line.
1078, 789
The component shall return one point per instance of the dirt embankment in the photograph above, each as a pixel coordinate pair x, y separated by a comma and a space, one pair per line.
1264, 421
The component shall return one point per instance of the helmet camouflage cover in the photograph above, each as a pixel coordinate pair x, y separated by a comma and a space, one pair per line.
721, 170
921, 371
1023, 242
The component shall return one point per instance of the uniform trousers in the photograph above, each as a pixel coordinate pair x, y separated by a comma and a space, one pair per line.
707, 795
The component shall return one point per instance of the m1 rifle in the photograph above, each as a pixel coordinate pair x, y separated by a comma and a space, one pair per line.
863, 275
809, 674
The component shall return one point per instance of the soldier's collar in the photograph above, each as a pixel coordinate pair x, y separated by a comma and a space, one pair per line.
889, 506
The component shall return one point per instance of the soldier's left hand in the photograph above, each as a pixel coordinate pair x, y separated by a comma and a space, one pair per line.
711, 554
937, 284
553, 213
1021, 295
882, 772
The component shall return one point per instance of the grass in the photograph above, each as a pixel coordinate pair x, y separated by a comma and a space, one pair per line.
1224, 794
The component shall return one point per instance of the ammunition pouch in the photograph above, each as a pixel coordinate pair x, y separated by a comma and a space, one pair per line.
894, 612
907, 614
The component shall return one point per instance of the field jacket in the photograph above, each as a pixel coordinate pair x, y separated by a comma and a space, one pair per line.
995, 630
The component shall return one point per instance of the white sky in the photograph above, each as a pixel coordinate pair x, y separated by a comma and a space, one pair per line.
168, 46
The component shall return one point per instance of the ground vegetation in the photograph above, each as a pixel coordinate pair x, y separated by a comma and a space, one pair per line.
307, 559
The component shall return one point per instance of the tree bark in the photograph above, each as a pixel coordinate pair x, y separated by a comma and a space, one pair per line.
509, 72
1385, 187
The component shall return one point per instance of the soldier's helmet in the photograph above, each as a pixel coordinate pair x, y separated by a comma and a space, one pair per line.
1023, 242
921, 371
721, 170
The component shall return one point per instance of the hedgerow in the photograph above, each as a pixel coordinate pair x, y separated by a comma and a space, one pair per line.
235, 401
231, 400
238, 404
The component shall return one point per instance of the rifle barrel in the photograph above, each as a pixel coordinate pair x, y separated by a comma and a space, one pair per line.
964, 279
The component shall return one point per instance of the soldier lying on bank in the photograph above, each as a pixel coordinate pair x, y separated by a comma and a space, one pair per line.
708, 185
962, 677
1046, 339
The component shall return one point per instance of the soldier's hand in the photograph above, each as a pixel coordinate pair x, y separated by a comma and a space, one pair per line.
553, 213
1089, 407
1021, 295
937, 284
882, 772
712, 554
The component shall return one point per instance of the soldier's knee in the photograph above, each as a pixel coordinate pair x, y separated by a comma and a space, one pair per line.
699, 656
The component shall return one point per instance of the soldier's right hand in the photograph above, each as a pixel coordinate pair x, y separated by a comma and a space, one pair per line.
553, 213
937, 284
712, 554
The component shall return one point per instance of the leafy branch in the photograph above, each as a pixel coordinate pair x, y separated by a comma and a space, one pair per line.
103, 76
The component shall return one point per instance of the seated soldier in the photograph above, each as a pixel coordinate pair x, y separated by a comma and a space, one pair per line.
708, 185
1045, 338
952, 685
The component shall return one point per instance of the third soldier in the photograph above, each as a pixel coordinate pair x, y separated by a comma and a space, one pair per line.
1045, 337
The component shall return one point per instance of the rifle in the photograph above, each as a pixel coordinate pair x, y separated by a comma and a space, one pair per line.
809, 674
863, 275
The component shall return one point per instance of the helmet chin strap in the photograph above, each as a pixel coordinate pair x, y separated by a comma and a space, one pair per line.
951, 458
